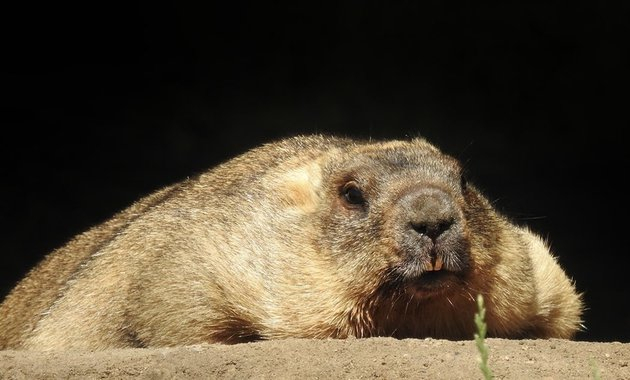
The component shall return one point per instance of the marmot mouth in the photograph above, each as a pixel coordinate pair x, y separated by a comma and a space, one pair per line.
431, 283
433, 280
423, 276
426, 278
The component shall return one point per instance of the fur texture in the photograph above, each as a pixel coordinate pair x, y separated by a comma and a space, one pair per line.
311, 237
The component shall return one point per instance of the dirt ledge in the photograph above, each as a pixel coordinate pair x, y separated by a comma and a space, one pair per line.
385, 358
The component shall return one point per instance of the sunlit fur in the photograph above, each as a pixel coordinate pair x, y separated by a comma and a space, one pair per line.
265, 247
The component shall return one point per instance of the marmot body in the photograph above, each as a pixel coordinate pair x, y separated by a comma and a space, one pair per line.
311, 237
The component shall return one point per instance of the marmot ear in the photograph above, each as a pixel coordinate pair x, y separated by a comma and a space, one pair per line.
301, 187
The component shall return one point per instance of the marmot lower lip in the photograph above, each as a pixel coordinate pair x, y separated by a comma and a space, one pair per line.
431, 283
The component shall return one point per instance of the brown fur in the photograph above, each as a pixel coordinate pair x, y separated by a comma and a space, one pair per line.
272, 245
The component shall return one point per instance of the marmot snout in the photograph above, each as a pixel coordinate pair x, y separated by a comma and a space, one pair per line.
309, 237
434, 230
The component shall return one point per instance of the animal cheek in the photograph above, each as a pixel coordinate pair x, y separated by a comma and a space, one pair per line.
299, 188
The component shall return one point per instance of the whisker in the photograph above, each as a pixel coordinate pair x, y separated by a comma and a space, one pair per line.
450, 302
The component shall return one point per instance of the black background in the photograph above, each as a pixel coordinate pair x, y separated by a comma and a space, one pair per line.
105, 103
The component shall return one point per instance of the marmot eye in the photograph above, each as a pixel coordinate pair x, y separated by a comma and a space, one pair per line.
352, 194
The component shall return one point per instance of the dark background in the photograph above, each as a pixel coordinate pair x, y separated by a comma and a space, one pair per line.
106, 103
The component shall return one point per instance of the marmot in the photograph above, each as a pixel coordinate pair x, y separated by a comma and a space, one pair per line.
310, 236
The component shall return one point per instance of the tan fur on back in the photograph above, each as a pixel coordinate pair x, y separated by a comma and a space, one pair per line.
272, 244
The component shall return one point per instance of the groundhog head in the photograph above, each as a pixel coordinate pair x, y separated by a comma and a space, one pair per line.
397, 218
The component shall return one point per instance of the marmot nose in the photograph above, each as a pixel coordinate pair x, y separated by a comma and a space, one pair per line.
432, 212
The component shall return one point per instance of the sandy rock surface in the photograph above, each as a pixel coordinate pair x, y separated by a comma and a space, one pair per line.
375, 358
